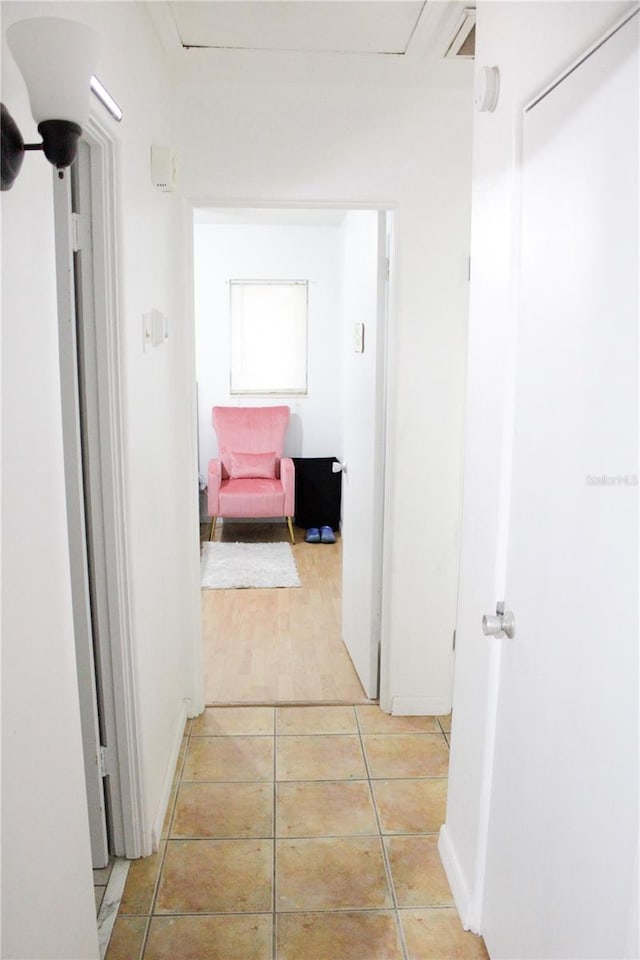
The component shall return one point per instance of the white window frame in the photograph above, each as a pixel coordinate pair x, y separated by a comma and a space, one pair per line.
240, 390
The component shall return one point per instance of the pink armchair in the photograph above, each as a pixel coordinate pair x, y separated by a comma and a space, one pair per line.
251, 478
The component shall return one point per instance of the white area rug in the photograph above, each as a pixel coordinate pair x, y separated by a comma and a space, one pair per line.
232, 566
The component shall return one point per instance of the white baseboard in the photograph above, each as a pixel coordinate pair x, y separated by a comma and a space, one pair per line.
420, 706
459, 888
165, 795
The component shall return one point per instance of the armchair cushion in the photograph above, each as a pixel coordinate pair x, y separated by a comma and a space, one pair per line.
251, 498
247, 466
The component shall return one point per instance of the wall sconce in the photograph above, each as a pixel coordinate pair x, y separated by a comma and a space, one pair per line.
56, 58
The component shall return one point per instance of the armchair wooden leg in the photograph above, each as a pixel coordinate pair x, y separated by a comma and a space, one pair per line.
212, 529
290, 525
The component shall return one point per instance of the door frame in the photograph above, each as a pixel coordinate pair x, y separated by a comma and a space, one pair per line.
386, 237
387, 211
76, 322
129, 836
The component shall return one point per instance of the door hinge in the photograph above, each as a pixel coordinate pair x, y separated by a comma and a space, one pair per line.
103, 760
80, 232
469, 270
388, 267
75, 232
454, 640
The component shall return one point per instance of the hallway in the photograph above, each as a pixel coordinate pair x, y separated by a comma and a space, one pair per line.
299, 833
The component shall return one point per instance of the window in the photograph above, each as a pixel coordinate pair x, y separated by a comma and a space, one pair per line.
269, 336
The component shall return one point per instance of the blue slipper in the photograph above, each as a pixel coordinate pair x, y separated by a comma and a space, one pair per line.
313, 535
327, 535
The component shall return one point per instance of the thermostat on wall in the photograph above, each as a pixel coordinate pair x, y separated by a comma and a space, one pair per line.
163, 172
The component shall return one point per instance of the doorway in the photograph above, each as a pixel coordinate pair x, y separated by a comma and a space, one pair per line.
319, 643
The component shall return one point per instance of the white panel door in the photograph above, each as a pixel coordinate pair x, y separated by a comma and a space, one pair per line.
364, 292
563, 834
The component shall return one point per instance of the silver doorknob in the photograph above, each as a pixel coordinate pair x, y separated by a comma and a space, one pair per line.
500, 625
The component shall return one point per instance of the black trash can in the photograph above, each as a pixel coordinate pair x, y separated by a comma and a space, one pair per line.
318, 492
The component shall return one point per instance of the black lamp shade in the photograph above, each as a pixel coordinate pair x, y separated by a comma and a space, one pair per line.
60, 141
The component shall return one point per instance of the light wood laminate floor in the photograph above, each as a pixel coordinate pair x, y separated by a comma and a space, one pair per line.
279, 645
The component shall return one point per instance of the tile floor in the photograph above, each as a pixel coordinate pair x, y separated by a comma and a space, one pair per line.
299, 833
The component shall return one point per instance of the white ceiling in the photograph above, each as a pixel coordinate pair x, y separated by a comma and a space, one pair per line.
351, 41
321, 26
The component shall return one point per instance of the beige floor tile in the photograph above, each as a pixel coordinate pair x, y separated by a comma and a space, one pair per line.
332, 896
445, 723
141, 884
238, 721
349, 936
213, 938
216, 876
372, 720
300, 720
319, 758
437, 934
328, 808
223, 810
229, 758
411, 806
418, 876
337, 874
406, 755
127, 938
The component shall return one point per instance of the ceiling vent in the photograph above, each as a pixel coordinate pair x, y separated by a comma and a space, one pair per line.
462, 45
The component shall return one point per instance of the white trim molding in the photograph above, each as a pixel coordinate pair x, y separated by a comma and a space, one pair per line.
131, 837
169, 775
420, 706
455, 876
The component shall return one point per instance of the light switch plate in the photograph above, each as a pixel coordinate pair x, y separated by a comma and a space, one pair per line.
155, 329
158, 328
147, 342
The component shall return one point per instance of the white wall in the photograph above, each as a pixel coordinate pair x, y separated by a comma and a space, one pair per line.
531, 43
160, 419
44, 818
318, 141
223, 252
